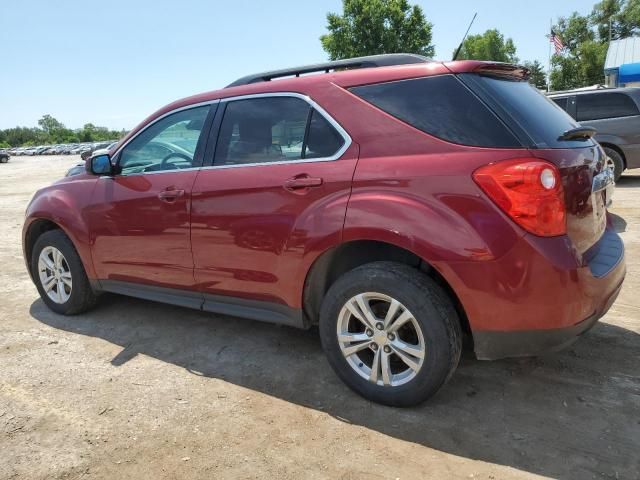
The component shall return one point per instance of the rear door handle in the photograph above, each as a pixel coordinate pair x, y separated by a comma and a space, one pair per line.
302, 181
170, 195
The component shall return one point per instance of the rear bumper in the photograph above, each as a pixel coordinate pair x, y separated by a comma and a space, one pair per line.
490, 345
540, 296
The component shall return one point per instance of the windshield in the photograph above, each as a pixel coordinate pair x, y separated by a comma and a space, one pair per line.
532, 112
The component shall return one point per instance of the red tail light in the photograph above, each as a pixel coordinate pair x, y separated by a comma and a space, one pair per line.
529, 191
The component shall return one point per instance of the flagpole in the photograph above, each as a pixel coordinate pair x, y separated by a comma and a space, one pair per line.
549, 62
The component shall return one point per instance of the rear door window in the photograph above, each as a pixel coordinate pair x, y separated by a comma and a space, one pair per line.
440, 106
274, 130
597, 106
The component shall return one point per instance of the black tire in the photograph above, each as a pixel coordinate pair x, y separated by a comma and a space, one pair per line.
4, 159
618, 162
431, 308
82, 297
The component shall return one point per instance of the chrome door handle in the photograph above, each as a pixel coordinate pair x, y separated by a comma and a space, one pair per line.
302, 181
171, 195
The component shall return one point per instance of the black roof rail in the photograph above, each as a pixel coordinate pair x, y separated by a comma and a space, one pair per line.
370, 61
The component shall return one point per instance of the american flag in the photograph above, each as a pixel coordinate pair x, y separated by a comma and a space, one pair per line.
557, 42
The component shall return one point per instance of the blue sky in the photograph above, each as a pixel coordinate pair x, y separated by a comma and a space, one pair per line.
114, 62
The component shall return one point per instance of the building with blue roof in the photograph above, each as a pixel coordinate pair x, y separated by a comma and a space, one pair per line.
622, 65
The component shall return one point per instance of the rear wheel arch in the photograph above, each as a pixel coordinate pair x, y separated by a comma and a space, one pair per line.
340, 259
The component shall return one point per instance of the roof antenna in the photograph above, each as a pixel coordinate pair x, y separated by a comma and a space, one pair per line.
455, 55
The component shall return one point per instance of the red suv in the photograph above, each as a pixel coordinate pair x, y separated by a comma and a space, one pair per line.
398, 203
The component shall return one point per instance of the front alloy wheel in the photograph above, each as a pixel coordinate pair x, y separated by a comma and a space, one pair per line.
59, 274
55, 274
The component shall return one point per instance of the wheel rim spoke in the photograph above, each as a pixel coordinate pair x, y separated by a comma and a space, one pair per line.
49, 263
66, 279
353, 337
409, 361
412, 350
405, 317
350, 350
60, 291
385, 367
391, 313
375, 367
49, 283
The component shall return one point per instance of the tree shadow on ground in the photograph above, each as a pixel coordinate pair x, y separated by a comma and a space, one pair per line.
570, 415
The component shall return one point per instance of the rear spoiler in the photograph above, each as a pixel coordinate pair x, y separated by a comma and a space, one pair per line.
491, 69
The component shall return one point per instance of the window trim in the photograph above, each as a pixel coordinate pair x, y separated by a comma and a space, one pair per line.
208, 163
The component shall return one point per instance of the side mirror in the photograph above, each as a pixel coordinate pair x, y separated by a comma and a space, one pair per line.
99, 165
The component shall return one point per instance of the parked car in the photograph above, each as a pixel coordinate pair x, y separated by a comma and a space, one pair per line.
615, 114
426, 201
4, 156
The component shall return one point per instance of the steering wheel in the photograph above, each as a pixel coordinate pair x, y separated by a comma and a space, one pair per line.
166, 159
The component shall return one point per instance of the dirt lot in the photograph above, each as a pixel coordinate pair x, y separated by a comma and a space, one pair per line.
141, 390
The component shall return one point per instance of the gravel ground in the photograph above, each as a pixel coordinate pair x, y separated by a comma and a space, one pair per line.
140, 390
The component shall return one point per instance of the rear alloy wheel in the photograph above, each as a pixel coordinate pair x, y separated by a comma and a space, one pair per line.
390, 333
615, 162
380, 339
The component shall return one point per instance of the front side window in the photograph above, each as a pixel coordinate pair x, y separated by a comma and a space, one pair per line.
274, 129
601, 105
168, 144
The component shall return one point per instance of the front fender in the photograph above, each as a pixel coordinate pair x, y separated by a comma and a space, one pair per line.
63, 204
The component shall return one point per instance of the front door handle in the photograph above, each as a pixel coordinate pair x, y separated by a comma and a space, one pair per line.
300, 182
170, 195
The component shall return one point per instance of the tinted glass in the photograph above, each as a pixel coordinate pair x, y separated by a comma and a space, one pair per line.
441, 106
531, 111
605, 105
262, 130
563, 103
168, 144
323, 140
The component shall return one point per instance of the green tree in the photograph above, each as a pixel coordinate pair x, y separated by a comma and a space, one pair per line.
369, 27
490, 45
49, 124
538, 77
623, 16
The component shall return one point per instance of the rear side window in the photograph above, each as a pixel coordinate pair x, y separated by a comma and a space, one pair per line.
322, 140
441, 106
605, 105
529, 111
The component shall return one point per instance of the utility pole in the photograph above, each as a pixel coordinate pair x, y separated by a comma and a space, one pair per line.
549, 62
609, 30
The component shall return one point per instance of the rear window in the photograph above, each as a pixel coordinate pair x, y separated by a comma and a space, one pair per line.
528, 110
605, 105
441, 106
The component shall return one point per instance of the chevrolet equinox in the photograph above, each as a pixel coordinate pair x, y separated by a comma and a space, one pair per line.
398, 203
